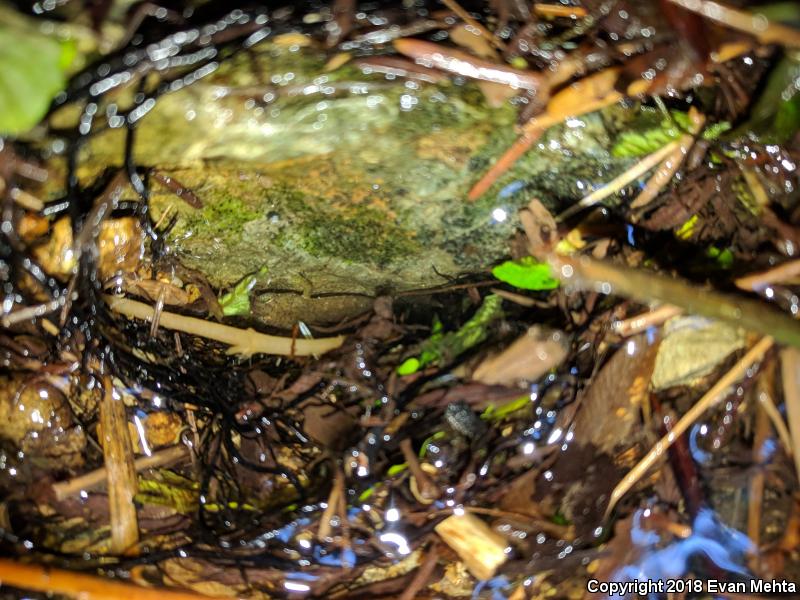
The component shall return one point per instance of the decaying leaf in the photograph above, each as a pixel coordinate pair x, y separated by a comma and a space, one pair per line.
467, 37
527, 359
120, 244
155, 291
610, 407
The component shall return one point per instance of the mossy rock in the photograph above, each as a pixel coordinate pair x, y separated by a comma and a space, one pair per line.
344, 185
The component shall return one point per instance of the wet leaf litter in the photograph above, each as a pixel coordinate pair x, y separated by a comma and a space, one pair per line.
398, 300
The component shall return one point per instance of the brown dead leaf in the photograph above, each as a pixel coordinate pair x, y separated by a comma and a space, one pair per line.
120, 243
527, 359
32, 226
609, 410
152, 289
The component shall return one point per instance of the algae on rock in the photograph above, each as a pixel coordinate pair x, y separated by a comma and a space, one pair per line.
343, 185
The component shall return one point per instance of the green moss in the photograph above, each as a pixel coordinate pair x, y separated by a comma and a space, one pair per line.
222, 218
442, 347
363, 236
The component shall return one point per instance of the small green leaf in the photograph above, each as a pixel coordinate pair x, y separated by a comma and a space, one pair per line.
423, 449
367, 494
713, 131
237, 301
527, 274
498, 413
724, 257
409, 366
396, 469
32, 69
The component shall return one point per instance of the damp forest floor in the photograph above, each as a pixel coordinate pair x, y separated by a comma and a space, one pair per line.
582, 370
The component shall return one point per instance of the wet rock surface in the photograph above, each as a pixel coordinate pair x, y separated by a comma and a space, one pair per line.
343, 185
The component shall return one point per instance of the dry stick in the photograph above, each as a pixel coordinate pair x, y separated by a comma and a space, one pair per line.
31, 312
644, 286
423, 574
121, 475
531, 132
465, 16
790, 370
644, 321
337, 493
558, 10
505, 162
766, 402
515, 298
92, 479
620, 181
709, 399
760, 436
242, 341
426, 487
26, 200
779, 274
78, 585
754, 24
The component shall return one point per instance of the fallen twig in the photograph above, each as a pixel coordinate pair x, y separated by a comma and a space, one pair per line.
78, 585
754, 24
465, 16
162, 458
559, 10
120, 473
644, 321
587, 95
467, 65
709, 399
242, 341
428, 492
790, 368
645, 286
757, 281
671, 163
424, 573
31, 312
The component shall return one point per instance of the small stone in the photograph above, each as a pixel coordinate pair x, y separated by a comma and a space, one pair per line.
691, 349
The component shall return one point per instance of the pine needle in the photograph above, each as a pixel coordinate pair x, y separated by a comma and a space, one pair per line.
622, 180
712, 397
